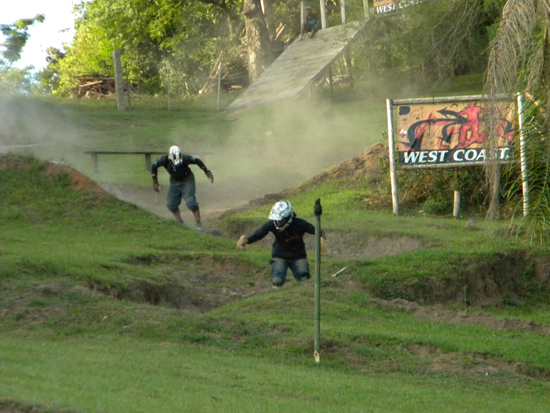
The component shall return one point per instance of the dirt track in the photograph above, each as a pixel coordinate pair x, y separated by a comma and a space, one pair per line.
181, 291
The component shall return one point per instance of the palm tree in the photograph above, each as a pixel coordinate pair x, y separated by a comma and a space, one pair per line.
518, 61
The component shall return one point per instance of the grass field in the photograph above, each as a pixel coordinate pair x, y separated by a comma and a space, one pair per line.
108, 306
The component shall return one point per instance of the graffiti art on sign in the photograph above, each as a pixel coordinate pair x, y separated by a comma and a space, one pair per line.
387, 6
450, 133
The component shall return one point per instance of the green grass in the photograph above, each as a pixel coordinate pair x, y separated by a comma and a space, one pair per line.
99, 299
175, 377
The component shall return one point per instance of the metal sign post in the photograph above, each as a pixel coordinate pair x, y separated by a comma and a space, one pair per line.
523, 156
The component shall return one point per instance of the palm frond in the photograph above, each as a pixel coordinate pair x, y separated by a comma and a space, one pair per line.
518, 61
510, 46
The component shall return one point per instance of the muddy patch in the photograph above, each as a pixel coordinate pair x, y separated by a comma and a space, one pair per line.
348, 246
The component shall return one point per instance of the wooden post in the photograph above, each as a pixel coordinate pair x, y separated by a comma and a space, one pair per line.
323, 14
456, 208
267, 10
343, 11
169, 91
219, 83
119, 81
391, 147
148, 162
94, 161
349, 66
127, 86
366, 9
330, 83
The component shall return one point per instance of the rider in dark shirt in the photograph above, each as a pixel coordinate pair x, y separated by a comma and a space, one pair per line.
288, 250
289, 244
182, 182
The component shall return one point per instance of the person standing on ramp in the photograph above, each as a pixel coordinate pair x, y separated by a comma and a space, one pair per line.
182, 182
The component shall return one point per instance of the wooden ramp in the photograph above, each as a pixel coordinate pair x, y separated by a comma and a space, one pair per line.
299, 66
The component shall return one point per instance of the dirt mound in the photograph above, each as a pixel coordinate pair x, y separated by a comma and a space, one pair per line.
351, 246
368, 165
79, 180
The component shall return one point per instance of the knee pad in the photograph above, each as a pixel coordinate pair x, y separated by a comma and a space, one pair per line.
304, 277
277, 282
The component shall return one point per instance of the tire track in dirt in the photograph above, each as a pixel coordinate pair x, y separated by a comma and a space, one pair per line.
438, 313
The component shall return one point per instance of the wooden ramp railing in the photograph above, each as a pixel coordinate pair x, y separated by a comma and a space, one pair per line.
299, 66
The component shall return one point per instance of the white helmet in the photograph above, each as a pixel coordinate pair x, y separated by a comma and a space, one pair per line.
281, 210
175, 156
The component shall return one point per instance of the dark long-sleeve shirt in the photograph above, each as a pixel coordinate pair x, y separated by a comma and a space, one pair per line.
288, 244
177, 173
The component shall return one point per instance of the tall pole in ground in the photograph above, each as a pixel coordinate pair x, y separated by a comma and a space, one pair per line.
168, 87
323, 14
523, 156
317, 210
391, 150
127, 86
119, 81
219, 83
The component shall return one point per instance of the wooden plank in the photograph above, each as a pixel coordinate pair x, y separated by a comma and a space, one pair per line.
147, 154
126, 152
299, 66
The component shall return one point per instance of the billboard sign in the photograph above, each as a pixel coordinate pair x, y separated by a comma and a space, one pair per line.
450, 133
387, 6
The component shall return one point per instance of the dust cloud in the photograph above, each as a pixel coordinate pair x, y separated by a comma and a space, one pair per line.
262, 150
267, 150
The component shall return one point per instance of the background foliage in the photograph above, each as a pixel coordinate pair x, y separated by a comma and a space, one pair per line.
431, 42
181, 42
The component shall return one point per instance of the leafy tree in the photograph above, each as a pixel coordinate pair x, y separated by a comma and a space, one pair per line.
90, 54
18, 81
48, 78
151, 35
431, 42
16, 36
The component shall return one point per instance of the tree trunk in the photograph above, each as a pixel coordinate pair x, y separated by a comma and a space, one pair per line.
260, 55
267, 8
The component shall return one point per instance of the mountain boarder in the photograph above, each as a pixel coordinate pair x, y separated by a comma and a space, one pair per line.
182, 182
288, 250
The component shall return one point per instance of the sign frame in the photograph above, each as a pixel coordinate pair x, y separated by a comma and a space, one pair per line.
392, 104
